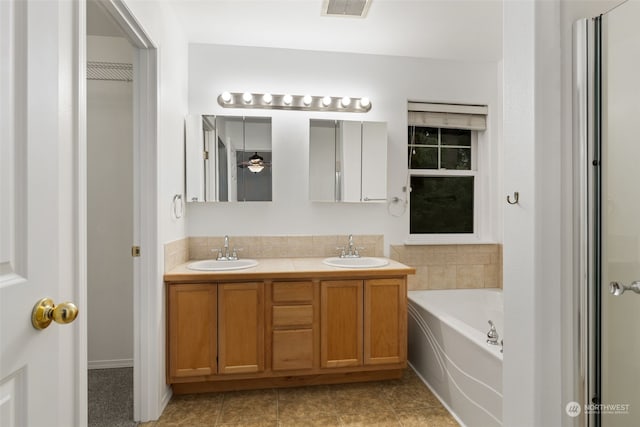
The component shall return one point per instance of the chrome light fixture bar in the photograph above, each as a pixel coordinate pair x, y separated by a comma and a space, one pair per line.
294, 102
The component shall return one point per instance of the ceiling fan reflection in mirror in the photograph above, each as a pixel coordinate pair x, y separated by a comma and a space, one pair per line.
255, 163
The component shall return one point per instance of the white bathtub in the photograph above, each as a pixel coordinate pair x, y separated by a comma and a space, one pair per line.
448, 349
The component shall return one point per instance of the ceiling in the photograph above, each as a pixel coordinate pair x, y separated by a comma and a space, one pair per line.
445, 29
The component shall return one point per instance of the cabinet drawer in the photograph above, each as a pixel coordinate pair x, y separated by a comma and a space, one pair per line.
292, 349
292, 292
292, 315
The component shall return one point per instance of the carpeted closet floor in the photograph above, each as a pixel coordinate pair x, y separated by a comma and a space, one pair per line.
111, 398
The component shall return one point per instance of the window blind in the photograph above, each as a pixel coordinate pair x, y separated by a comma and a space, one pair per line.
451, 116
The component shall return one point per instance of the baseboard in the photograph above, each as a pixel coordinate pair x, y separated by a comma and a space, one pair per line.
165, 399
107, 364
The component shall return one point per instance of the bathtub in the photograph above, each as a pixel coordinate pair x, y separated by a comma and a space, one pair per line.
448, 349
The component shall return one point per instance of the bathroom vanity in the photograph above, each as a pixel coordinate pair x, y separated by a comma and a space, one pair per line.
285, 322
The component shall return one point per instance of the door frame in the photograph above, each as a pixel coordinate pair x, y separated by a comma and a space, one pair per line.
147, 383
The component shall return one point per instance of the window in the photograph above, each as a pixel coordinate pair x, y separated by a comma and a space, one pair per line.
443, 169
442, 180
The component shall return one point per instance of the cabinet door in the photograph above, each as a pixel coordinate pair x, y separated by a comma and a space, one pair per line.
341, 323
192, 330
348, 160
292, 349
374, 161
385, 321
240, 328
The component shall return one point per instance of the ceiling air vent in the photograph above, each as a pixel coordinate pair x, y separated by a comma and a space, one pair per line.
357, 8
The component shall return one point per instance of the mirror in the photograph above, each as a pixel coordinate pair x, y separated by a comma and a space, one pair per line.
228, 159
347, 161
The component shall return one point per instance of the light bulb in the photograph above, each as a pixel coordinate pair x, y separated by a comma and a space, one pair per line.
226, 97
306, 99
247, 97
346, 101
365, 102
287, 99
267, 98
326, 101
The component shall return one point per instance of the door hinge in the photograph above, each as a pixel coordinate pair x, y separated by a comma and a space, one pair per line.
135, 251
206, 155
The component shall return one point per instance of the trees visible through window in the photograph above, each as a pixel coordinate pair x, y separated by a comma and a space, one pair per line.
443, 173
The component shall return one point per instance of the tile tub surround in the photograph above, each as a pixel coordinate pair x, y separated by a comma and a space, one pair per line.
401, 403
284, 246
451, 266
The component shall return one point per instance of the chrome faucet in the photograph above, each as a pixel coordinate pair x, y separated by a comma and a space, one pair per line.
226, 247
492, 335
227, 254
350, 251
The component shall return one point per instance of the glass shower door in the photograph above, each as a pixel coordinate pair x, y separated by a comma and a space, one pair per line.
620, 217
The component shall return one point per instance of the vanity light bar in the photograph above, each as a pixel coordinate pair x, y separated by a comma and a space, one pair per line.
294, 102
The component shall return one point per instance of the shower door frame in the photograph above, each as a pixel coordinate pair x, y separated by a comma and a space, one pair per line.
587, 139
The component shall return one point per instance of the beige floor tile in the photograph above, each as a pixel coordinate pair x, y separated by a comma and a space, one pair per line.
248, 407
190, 413
255, 423
309, 408
319, 421
411, 396
368, 418
403, 402
365, 404
303, 393
432, 417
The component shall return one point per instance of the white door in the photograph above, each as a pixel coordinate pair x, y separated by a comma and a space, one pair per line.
41, 249
620, 264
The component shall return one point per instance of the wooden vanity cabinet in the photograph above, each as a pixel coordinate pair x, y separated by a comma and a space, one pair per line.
240, 328
294, 324
192, 331
363, 322
341, 323
283, 332
215, 329
385, 321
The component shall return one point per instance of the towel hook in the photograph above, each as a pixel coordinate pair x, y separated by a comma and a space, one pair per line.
516, 196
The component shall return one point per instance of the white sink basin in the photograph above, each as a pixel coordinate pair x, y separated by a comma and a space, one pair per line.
215, 265
362, 262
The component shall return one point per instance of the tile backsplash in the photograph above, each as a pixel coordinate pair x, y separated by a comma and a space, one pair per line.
283, 246
180, 251
451, 266
176, 253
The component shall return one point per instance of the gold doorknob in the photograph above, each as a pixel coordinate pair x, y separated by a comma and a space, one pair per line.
45, 311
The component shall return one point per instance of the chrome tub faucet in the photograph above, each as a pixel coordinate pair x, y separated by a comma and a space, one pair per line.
492, 335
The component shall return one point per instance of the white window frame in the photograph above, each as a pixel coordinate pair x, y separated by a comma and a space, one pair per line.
477, 166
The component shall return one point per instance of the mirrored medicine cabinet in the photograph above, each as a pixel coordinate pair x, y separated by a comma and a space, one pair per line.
228, 159
347, 161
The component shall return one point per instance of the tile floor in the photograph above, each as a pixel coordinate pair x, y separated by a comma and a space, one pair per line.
405, 402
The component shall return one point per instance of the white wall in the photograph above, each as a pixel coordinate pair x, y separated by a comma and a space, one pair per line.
520, 356
388, 81
109, 210
540, 361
